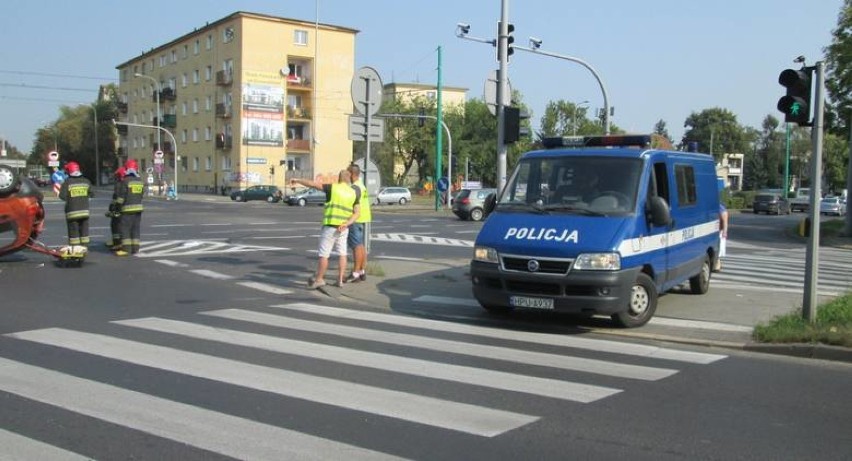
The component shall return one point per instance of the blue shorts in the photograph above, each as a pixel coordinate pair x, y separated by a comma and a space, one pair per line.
356, 235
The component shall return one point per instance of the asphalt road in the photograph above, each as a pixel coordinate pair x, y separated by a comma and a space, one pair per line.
208, 346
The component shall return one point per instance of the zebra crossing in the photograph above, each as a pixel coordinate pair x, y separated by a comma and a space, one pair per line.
159, 249
270, 349
784, 270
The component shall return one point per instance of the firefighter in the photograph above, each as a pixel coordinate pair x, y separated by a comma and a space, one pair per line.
128, 202
75, 192
114, 215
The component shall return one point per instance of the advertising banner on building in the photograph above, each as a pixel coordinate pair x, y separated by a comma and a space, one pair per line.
263, 110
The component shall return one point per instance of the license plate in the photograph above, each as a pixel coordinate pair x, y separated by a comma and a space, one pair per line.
533, 303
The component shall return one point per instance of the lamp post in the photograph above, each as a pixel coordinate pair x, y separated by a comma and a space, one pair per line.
97, 156
577, 106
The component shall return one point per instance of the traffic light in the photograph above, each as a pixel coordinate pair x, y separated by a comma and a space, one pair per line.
796, 104
513, 126
509, 40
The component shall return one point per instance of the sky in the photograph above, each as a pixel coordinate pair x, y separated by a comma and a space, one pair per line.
659, 59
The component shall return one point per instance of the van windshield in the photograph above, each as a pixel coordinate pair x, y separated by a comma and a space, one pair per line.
598, 186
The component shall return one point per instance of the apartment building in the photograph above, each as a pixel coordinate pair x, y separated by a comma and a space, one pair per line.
250, 99
730, 168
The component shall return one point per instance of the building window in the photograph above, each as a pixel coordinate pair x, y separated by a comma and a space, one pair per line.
197, 47
208, 164
184, 78
226, 163
183, 136
300, 37
133, 143
228, 35
163, 61
208, 103
210, 41
195, 106
173, 83
194, 163
195, 76
185, 51
208, 73
174, 56
183, 108
208, 134
195, 135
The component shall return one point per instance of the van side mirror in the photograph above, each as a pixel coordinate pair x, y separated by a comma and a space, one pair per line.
490, 203
659, 212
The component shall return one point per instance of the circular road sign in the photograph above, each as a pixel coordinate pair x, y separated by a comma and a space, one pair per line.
367, 91
158, 154
53, 155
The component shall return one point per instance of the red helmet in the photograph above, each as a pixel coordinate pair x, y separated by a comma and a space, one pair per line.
130, 164
72, 167
119, 173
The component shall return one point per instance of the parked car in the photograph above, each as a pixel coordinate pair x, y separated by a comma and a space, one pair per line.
770, 204
306, 196
392, 195
832, 205
271, 194
470, 203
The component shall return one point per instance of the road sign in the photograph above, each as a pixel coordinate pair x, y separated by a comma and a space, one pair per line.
358, 128
158, 154
490, 92
443, 184
159, 161
367, 91
149, 170
53, 155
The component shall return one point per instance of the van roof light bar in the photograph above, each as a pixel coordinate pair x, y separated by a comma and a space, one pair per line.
630, 140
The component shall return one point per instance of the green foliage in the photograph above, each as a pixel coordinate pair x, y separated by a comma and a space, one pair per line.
833, 326
716, 131
838, 60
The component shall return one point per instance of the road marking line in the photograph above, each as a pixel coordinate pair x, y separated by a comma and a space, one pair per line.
171, 263
266, 287
600, 345
267, 237
171, 225
399, 258
699, 324
20, 447
564, 362
217, 224
211, 274
553, 388
430, 411
198, 427
468, 302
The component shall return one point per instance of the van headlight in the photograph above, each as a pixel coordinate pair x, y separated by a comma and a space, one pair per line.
598, 262
485, 254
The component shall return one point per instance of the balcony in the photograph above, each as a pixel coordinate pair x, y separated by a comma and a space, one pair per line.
224, 110
224, 77
295, 82
303, 145
169, 121
298, 113
168, 94
121, 106
224, 142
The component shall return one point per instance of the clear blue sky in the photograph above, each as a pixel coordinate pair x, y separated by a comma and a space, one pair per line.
660, 59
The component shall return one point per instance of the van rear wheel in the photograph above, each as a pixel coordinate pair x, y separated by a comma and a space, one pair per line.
641, 305
701, 282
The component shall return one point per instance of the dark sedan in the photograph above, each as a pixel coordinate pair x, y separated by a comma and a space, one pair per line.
306, 196
270, 194
770, 204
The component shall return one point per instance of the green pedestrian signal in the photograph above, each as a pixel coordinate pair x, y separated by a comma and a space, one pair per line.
796, 104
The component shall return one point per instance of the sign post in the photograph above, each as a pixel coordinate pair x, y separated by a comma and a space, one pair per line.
367, 98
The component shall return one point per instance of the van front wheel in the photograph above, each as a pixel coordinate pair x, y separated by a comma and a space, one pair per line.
641, 305
701, 282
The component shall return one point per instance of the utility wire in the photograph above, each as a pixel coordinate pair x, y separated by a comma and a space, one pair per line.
45, 87
46, 74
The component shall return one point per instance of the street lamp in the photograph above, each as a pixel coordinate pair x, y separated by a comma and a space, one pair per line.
159, 90
577, 106
174, 143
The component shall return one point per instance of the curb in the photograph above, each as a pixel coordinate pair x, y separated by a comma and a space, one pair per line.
810, 351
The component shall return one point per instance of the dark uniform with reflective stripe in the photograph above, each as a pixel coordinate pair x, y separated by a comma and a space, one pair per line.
129, 203
75, 191
115, 217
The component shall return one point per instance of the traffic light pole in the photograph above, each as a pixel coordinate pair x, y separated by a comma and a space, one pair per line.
503, 99
811, 291
159, 129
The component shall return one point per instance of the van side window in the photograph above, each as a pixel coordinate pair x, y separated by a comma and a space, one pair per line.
659, 186
685, 176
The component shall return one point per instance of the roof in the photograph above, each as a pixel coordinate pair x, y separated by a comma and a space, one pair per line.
230, 17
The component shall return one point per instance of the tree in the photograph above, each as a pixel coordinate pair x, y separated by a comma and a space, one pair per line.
838, 60
716, 131
565, 118
660, 129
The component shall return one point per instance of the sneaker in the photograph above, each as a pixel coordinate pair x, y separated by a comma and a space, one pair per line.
121, 253
364, 276
352, 278
316, 284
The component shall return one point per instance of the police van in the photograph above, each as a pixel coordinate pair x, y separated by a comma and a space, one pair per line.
598, 225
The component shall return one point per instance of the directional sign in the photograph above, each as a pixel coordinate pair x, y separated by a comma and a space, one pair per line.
490, 93
367, 91
358, 128
443, 184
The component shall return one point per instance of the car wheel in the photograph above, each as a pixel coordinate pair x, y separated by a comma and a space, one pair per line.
701, 282
238, 198
641, 305
271, 199
476, 214
403, 201
302, 202
8, 180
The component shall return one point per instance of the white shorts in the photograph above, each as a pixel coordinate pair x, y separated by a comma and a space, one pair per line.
332, 240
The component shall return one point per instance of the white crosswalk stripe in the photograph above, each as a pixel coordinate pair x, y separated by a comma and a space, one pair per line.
421, 240
557, 374
786, 271
170, 248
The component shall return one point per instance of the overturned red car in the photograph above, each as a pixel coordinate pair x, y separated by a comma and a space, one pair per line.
21, 211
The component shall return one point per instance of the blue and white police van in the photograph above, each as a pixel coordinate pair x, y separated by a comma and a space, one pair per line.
598, 225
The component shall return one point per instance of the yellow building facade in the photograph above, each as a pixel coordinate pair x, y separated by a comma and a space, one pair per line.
250, 99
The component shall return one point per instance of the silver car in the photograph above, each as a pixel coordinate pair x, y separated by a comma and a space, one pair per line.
392, 195
470, 203
832, 205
